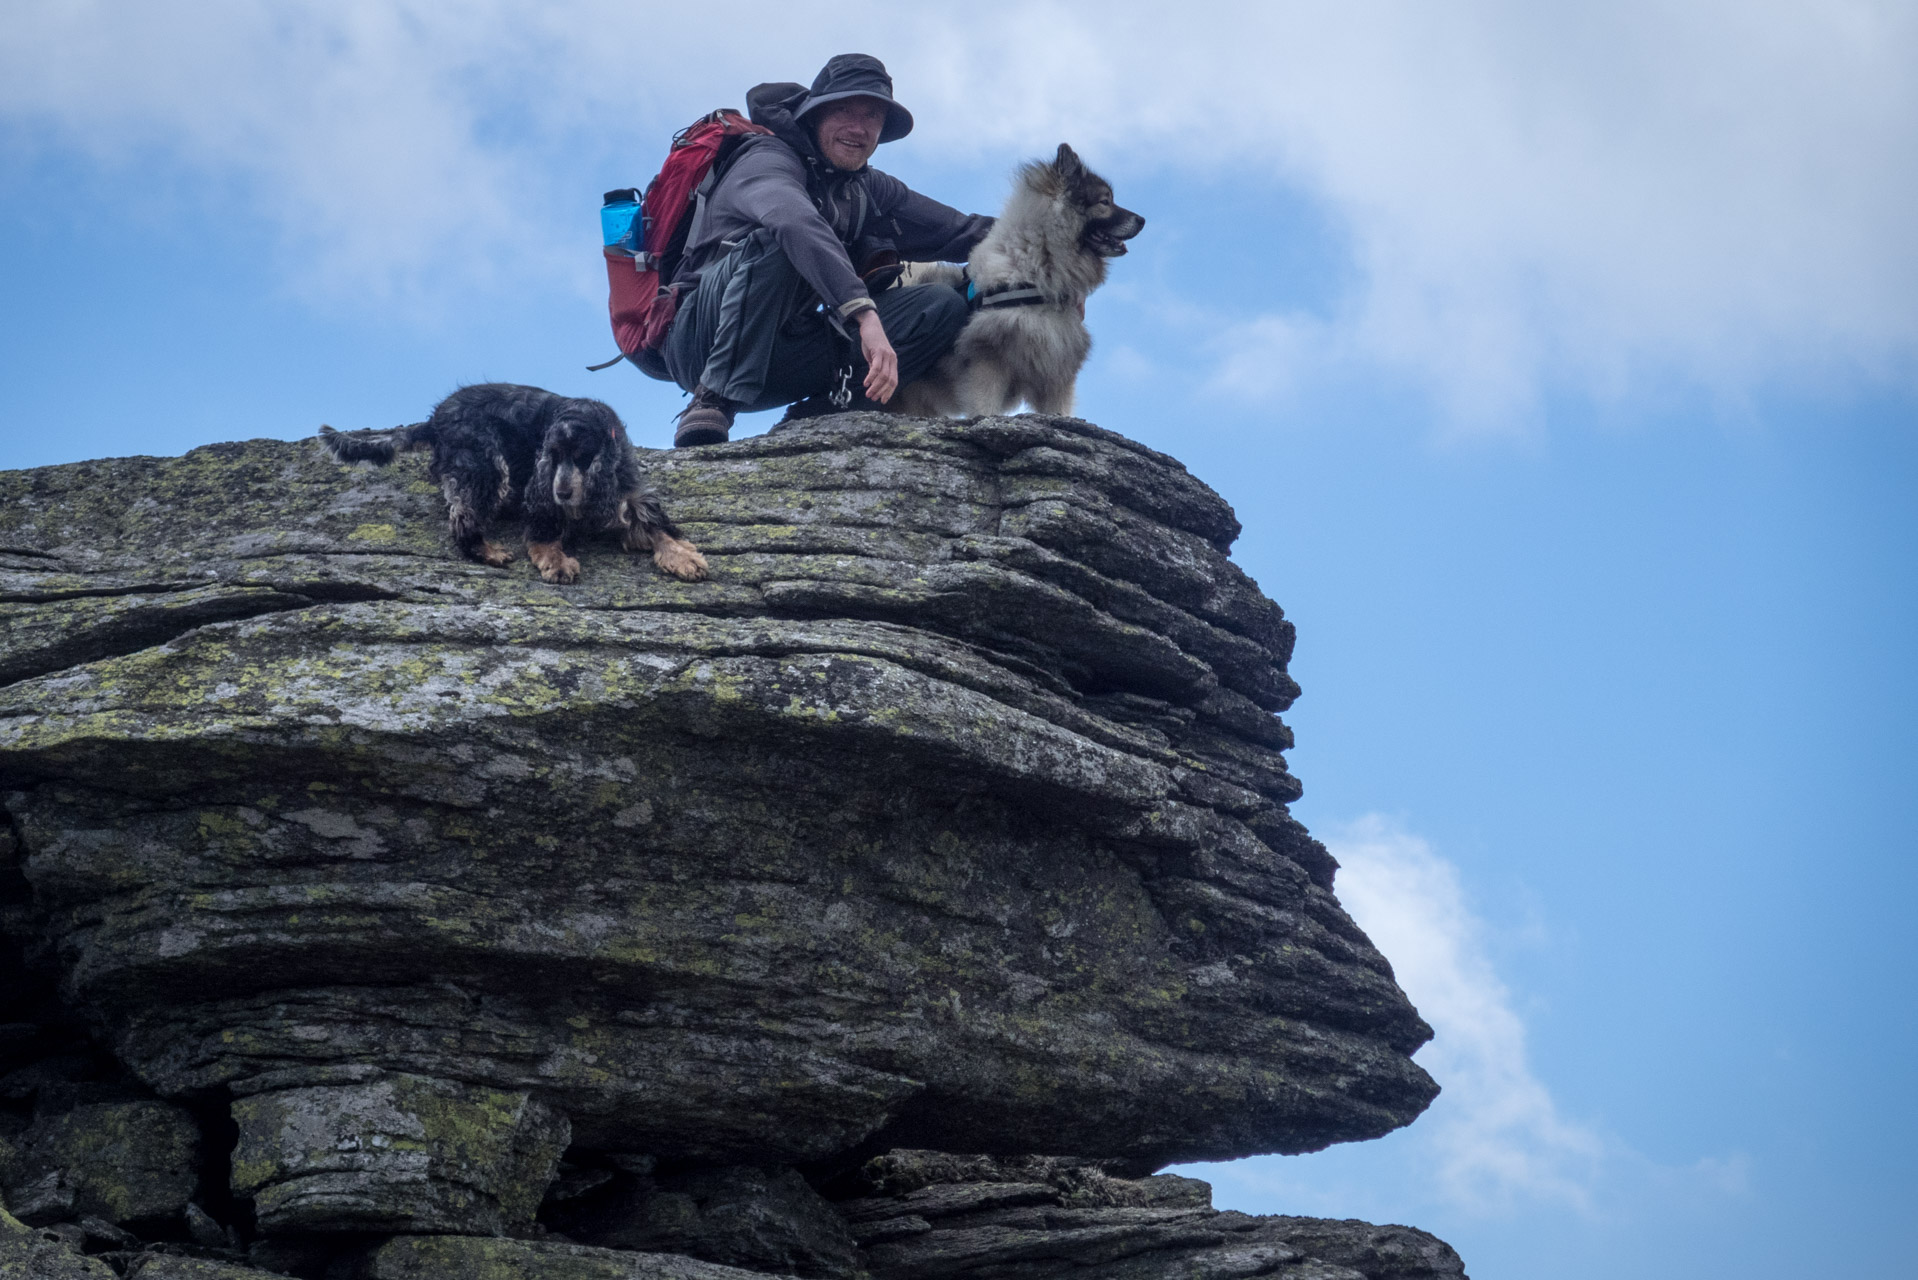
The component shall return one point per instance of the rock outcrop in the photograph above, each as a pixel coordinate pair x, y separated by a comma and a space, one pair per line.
931, 1215
436, 902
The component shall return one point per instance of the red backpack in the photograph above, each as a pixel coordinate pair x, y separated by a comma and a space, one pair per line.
645, 234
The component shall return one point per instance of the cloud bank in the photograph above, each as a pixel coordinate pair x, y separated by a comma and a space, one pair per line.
1495, 1144
1536, 197
1495, 1134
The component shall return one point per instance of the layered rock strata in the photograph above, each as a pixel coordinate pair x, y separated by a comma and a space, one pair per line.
967, 1218
931, 1215
949, 813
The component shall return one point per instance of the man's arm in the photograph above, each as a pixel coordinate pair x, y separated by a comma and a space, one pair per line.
767, 186
882, 362
928, 231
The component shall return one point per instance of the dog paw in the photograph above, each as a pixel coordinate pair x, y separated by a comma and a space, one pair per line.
681, 559
495, 555
553, 563
563, 570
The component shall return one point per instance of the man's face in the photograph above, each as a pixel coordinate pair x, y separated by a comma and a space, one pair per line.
848, 131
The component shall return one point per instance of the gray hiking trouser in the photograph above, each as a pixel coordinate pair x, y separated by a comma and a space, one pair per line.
753, 332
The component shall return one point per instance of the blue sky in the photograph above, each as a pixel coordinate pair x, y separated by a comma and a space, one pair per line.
1561, 362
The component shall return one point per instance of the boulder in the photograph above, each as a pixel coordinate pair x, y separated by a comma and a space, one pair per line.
950, 813
123, 1161
395, 1153
27, 1254
978, 1218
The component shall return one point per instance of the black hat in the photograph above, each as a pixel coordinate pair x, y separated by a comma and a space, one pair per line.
858, 75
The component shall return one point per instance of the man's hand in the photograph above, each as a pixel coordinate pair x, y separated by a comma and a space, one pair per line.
882, 363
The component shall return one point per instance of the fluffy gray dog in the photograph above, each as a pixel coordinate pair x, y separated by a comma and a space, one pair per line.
1028, 279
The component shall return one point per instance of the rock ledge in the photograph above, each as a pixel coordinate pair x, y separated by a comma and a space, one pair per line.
951, 813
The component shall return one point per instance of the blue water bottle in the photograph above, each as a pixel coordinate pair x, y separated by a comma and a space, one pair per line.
619, 222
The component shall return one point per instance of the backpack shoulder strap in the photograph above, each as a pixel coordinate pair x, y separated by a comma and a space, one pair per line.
730, 150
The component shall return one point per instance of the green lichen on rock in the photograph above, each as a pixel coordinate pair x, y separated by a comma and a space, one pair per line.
164, 1266
26, 1254
396, 1153
121, 1161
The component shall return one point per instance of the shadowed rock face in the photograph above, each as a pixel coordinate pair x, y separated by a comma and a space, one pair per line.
923, 1215
949, 813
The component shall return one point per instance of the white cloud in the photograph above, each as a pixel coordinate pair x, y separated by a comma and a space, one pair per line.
1593, 196
1267, 357
1495, 1133
1495, 1143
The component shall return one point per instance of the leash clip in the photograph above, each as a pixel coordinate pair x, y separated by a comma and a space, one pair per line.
841, 395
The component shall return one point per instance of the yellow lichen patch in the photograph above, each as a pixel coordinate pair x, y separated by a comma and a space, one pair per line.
374, 533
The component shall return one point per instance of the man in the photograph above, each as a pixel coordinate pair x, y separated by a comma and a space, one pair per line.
788, 259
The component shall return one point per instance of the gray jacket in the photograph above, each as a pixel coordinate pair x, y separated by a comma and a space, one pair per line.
817, 213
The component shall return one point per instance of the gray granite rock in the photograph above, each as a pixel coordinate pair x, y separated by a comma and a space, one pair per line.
950, 812
767, 1219
1379, 1252
27, 1254
978, 1218
166, 1266
395, 1153
951, 809
122, 1161
482, 1258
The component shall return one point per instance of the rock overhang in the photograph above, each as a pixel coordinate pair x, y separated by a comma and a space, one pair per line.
950, 812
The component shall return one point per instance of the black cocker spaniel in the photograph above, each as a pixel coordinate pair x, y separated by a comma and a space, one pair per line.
563, 463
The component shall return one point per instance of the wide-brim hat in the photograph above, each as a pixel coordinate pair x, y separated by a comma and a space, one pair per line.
857, 75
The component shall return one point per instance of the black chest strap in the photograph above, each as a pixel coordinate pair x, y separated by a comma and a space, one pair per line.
1004, 295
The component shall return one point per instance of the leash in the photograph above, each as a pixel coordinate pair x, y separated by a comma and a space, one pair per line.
841, 396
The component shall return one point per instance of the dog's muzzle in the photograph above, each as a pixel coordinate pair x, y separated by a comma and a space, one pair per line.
569, 490
1107, 239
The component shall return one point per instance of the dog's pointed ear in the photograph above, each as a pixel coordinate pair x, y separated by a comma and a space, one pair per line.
1068, 163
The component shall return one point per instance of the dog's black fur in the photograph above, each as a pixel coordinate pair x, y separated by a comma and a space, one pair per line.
562, 463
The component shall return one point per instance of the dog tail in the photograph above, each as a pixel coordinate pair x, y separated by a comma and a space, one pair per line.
376, 447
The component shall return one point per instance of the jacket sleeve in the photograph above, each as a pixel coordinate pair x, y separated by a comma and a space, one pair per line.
928, 231
768, 187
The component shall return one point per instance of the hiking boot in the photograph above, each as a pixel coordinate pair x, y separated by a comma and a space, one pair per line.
707, 420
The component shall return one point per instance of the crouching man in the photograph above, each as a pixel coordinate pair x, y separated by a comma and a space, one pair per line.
783, 293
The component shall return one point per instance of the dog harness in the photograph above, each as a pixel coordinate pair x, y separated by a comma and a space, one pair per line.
1002, 295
